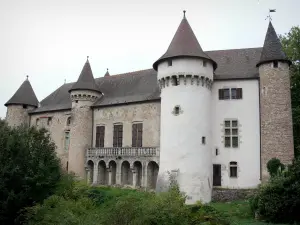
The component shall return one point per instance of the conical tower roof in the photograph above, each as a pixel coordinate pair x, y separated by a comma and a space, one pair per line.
272, 49
86, 79
107, 73
24, 96
184, 43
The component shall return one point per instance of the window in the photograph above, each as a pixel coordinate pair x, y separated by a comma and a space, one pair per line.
230, 93
49, 120
67, 141
217, 151
203, 140
176, 110
169, 62
118, 135
137, 135
174, 81
233, 169
69, 121
231, 138
100, 133
204, 63
37, 121
275, 64
24, 106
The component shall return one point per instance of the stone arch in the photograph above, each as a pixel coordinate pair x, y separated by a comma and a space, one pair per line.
102, 173
90, 171
137, 166
126, 173
113, 170
152, 172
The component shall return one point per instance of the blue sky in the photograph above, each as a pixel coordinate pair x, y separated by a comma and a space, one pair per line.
49, 40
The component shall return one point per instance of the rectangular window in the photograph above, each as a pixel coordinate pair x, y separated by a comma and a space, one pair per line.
230, 93
231, 132
169, 62
203, 140
67, 141
275, 64
137, 135
100, 133
204, 63
118, 135
233, 169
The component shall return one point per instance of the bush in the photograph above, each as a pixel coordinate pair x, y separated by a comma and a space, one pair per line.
279, 200
275, 167
29, 169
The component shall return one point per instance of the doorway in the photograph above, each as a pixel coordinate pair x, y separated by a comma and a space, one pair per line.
216, 175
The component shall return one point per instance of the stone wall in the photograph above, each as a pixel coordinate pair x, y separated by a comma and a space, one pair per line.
276, 115
227, 195
17, 115
147, 113
57, 128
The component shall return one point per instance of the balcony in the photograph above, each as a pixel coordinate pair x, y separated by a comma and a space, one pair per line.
123, 151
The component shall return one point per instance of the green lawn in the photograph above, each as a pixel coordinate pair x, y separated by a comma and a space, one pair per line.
238, 212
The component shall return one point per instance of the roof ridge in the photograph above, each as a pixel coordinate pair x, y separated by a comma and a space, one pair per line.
127, 73
232, 49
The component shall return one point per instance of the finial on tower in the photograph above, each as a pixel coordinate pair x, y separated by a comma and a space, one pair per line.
184, 11
27, 77
269, 16
87, 58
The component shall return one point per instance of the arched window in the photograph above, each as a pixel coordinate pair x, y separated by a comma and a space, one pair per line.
233, 169
69, 121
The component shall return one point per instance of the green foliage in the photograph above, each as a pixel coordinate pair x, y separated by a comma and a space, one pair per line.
275, 167
279, 200
291, 46
29, 169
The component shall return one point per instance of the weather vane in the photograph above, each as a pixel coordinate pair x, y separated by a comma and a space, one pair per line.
269, 16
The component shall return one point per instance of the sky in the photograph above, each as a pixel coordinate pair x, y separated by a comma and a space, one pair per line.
49, 40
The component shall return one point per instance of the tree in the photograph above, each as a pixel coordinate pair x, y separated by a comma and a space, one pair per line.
29, 169
291, 46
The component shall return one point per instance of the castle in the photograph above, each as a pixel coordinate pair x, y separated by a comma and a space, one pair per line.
206, 118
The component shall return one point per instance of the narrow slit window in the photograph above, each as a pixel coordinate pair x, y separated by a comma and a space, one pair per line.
204, 63
203, 140
170, 63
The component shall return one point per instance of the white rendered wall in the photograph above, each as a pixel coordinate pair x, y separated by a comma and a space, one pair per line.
246, 111
181, 136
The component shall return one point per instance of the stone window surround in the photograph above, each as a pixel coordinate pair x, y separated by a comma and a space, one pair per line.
99, 125
234, 165
238, 96
230, 135
117, 144
177, 110
137, 122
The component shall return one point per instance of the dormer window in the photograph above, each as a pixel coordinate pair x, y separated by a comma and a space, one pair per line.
170, 62
275, 64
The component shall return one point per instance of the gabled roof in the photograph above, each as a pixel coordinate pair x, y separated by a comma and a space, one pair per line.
184, 43
141, 86
86, 79
272, 49
24, 96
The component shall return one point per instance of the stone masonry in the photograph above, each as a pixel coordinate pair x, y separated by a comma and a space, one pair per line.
276, 115
17, 115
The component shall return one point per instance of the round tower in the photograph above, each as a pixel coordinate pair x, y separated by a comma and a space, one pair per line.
275, 103
185, 76
84, 93
18, 106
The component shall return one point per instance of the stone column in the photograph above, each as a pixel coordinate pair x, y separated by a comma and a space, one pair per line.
88, 175
95, 174
134, 177
118, 173
109, 176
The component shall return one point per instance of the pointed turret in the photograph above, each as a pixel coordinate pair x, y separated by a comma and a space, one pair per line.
107, 73
24, 96
272, 49
86, 79
184, 44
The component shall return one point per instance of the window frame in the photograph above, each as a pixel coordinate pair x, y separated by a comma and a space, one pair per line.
170, 62
229, 136
233, 169
137, 134
100, 136
226, 93
67, 146
118, 135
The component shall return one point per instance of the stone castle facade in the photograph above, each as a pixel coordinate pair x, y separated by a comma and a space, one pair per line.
208, 119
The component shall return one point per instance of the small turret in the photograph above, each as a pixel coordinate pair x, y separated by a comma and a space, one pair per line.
107, 73
20, 103
83, 95
275, 103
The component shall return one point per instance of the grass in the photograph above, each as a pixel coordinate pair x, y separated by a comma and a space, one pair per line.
238, 212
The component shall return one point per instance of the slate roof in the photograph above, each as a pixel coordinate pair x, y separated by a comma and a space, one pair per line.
107, 74
24, 96
142, 85
272, 49
184, 43
86, 79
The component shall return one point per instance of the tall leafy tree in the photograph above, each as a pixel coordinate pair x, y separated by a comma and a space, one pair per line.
291, 46
29, 169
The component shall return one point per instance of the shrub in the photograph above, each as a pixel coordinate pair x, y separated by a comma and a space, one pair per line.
279, 200
274, 167
29, 169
